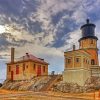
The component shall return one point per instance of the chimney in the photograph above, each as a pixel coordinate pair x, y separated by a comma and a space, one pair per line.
73, 47
41, 59
12, 55
27, 54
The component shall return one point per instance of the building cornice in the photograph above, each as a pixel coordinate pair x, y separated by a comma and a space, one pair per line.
88, 37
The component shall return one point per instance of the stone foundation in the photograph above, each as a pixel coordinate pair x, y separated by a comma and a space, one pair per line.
78, 76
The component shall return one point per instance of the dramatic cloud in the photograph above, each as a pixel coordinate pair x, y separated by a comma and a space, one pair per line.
45, 28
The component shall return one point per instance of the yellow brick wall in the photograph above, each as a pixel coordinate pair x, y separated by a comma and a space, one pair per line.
28, 73
69, 65
91, 48
84, 60
36, 68
77, 64
21, 72
94, 55
88, 43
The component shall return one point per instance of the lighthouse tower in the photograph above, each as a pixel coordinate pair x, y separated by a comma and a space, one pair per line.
81, 64
88, 42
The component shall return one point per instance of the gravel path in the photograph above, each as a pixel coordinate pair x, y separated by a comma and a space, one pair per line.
35, 96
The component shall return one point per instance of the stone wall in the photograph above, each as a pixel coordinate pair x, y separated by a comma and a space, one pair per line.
78, 76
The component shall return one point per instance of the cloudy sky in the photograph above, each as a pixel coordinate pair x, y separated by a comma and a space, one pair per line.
44, 28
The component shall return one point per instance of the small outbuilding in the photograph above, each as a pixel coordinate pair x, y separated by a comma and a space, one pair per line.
26, 67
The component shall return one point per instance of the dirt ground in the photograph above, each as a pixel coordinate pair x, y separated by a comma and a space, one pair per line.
30, 95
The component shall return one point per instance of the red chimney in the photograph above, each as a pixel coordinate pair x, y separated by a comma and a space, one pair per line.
12, 55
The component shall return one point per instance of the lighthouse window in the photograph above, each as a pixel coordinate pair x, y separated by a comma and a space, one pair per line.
92, 62
91, 41
86, 60
77, 60
69, 61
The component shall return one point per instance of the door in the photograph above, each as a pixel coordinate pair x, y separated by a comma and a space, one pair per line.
92, 62
12, 75
39, 70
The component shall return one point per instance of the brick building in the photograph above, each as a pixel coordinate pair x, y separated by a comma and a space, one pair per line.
83, 63
26, 67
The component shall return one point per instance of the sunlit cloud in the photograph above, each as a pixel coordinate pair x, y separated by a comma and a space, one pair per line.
2, 29
40, 24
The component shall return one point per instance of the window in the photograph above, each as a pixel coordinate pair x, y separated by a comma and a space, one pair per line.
92, 62
9, 67
77, 60
34, 66
43, 68
91, 41
27, 66
23, 67
17, 69
84, 59
69, 61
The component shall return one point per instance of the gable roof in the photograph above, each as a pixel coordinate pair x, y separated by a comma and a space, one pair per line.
33, 58
30, 57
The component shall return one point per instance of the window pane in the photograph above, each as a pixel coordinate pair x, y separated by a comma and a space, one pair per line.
17, 69
34, 66
69, 60
77, 59
91, 41
23, 67
92, 62
43, 68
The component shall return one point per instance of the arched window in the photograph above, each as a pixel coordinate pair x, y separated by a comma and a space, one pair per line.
92, 62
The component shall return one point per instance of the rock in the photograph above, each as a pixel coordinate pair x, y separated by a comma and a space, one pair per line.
38, 83
34, 84
0, 84
68, 87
